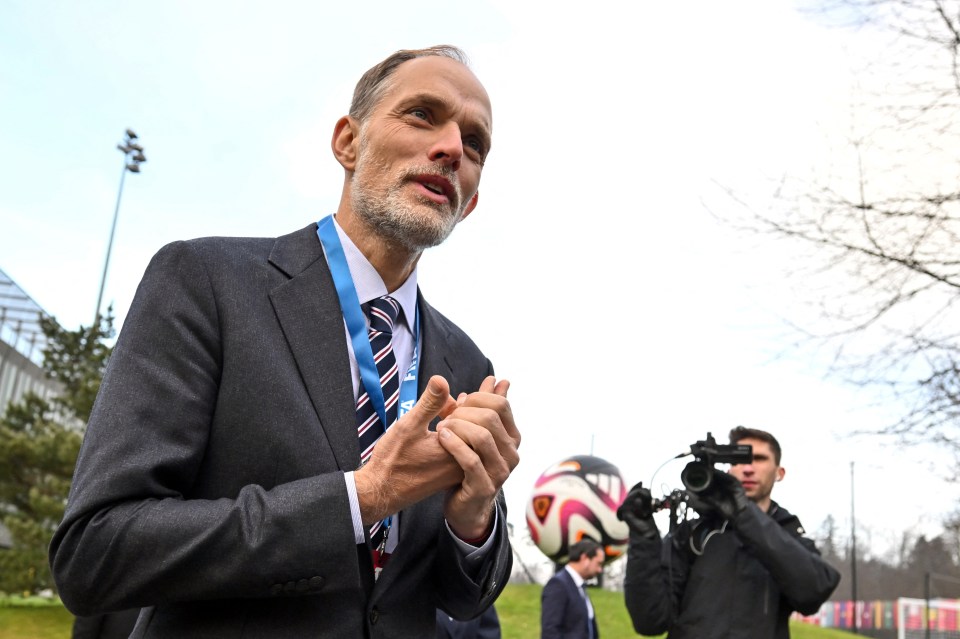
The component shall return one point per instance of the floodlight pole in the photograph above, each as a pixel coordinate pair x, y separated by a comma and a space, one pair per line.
132, 157
853, 558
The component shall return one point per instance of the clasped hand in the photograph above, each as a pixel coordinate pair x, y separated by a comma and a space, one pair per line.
724, 496
470, 456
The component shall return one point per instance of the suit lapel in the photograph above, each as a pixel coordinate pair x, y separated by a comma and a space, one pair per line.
434, 348
309, 314
580, 595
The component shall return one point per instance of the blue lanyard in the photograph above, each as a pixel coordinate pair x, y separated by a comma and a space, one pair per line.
357, 327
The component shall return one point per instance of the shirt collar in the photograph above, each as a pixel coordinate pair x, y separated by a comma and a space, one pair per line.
577, 579
368, 283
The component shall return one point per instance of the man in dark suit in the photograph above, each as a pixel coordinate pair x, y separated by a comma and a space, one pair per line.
109, 625
565, 608
486, 626
220, 485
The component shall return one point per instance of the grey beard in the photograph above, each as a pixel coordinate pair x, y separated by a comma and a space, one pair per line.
394, 217
398, 221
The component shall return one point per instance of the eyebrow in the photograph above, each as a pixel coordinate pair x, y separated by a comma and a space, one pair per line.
428, 99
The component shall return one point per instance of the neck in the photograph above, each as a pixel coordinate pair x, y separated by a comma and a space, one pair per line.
763, 504
393, 262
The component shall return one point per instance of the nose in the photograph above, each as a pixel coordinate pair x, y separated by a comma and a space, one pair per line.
447, 148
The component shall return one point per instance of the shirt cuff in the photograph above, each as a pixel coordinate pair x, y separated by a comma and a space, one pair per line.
473, 553
358, 532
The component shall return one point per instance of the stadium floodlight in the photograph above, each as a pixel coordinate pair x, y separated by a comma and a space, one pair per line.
132, 157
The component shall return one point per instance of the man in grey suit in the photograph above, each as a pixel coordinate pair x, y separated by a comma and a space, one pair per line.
220, 485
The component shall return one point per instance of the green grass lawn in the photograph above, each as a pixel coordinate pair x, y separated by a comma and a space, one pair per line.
519, 611
35, 622
518, 607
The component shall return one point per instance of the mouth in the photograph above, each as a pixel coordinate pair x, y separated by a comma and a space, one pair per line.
436, 188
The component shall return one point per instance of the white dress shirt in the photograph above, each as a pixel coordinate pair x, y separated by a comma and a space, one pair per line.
369, 286
578, 581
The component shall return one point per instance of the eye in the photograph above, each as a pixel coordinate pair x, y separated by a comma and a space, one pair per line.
476, 145
420, 113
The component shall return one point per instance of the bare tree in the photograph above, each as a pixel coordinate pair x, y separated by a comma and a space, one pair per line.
877, 223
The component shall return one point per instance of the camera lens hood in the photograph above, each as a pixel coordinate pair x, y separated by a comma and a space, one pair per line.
697, 476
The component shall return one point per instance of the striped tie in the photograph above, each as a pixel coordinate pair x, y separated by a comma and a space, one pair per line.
383, 313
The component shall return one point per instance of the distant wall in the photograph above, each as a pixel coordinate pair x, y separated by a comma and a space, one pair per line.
884, 619
19, 376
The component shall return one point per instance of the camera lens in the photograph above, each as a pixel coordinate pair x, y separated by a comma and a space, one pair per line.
696, 476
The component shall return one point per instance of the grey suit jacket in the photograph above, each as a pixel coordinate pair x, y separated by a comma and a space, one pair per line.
209, 489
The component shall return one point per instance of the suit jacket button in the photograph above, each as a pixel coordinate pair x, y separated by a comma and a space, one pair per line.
276, 589
303, 585
316, 583
374, 617
289, 587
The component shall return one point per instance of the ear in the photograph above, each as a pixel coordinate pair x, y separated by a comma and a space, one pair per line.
345, 141
470, 206
781, 471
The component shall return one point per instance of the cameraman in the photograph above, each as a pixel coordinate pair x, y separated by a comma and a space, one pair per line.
739, 570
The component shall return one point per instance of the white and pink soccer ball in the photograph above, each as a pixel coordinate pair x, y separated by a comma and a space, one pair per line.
576, 498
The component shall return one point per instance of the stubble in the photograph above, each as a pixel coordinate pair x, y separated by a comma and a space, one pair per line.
415, 223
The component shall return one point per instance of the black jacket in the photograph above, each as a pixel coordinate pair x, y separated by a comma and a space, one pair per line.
740, 580
486, 626
110, 625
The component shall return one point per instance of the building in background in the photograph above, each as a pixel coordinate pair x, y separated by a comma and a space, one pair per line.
21, 346
6, 539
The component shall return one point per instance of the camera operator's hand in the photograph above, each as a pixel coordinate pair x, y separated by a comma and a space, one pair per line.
637, 511
725, 497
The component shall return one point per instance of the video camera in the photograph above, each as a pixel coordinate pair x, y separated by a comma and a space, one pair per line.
698, 474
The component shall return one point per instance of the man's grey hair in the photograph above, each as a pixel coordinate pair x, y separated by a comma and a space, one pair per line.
376, 80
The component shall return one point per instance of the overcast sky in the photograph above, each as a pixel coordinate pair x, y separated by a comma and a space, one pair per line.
629, 322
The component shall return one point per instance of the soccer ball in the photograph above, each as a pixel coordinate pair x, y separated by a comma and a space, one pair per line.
576, 498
